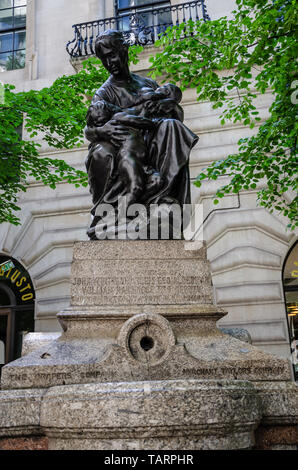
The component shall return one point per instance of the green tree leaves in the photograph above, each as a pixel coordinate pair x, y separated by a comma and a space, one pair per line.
227, 61
56, 114
257, 50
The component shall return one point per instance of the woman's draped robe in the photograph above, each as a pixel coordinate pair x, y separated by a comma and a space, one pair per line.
168, 146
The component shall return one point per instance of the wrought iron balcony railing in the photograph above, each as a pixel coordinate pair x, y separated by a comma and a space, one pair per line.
139, 26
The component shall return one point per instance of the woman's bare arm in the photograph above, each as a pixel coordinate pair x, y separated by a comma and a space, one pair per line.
132, 120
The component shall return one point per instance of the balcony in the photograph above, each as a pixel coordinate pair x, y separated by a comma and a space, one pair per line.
139, 26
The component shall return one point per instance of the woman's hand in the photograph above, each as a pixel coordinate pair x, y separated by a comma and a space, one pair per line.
161, 107
112, 131
151, 107
165, 108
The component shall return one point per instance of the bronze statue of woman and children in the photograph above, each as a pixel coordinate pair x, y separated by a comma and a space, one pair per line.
139, 147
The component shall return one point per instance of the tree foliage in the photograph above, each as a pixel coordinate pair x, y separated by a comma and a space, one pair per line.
57, 115
230, 62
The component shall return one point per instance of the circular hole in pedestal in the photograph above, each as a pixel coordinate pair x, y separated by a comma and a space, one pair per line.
146, 343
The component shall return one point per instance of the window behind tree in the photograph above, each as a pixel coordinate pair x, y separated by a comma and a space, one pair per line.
12, 34
139, 13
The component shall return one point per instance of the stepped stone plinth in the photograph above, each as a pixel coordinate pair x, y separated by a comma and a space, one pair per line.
141, 363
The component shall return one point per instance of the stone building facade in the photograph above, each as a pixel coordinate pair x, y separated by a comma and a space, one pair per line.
246, 245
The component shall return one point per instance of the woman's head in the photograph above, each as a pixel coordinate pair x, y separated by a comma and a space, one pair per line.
111, 49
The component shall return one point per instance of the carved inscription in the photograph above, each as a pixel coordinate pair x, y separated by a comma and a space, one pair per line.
42, 376
100, 284
42, 379
121, 289
233, 371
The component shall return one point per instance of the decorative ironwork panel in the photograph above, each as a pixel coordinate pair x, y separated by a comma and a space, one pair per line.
141, 25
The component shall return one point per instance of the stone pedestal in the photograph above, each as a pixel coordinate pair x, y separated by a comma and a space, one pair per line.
141, 363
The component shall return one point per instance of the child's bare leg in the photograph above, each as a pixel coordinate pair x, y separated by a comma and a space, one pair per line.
133, 173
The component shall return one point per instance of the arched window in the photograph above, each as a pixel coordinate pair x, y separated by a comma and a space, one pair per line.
290, 284
16, 308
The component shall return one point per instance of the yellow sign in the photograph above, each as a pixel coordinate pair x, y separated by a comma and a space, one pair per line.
16, 277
